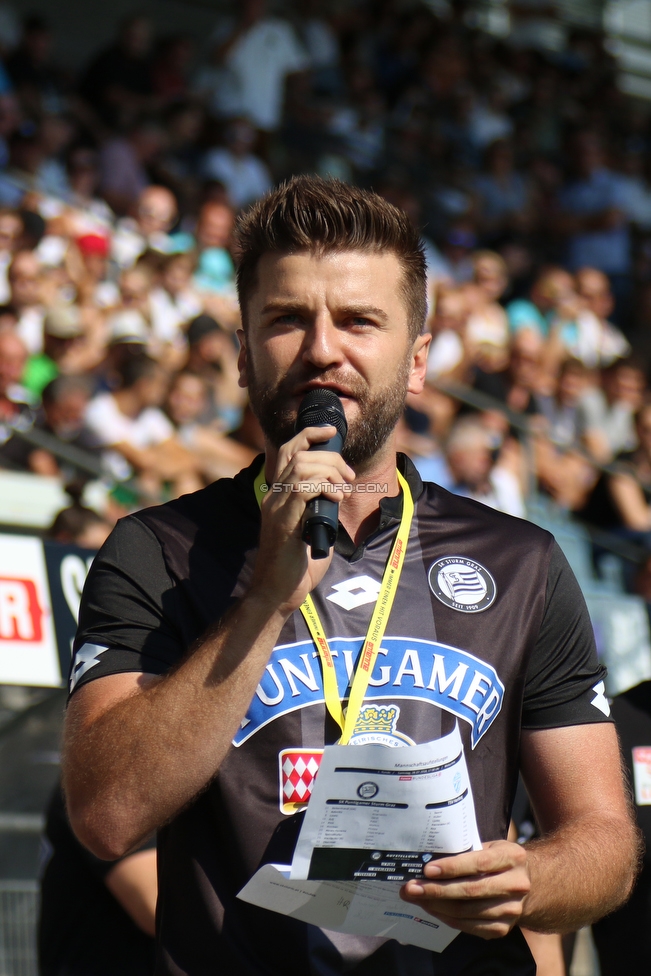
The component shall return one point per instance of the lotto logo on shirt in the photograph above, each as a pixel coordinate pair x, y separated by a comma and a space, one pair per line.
20, 613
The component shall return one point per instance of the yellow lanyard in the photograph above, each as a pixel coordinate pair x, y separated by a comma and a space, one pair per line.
376, 628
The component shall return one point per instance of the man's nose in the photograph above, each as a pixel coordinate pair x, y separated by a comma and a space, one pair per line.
322, 344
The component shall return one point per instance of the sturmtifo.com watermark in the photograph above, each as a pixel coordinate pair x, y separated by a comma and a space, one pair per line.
326, 488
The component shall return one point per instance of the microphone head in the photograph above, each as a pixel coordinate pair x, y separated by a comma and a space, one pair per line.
319, 408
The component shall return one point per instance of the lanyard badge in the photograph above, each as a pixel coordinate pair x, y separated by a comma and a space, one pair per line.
376, 628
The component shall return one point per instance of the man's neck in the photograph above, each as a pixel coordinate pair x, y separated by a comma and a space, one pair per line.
359, 513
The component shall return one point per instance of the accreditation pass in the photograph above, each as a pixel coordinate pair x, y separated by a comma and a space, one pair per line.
381, 814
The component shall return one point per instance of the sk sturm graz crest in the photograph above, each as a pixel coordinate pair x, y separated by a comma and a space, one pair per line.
462, 584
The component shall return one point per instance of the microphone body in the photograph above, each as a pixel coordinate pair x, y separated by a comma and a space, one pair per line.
322, 408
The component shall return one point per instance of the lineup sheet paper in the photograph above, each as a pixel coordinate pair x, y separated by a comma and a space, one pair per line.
381, 814
436, 816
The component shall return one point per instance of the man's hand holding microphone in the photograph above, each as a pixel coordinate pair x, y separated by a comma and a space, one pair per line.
299, 521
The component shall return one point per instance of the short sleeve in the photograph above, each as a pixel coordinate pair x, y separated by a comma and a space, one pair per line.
565, 681
156, 428
127, 609
105, 421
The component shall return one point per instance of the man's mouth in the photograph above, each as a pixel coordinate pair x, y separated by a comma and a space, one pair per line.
342, 392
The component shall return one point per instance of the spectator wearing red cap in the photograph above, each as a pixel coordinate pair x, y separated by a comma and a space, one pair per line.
92, 272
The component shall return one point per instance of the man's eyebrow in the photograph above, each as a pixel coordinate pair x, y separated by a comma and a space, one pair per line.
290, 304
283, 305
361, 310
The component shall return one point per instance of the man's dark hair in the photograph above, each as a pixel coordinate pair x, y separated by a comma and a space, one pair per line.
135, 368
322, 216
62, 386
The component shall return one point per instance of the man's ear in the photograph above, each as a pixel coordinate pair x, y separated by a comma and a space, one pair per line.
242, 360
419, 363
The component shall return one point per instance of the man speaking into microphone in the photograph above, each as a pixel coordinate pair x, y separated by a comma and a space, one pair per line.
217, 656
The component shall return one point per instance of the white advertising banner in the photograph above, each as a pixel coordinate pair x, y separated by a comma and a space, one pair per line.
28, 646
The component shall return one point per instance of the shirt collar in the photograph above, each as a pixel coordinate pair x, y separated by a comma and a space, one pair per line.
390, 511
390, 507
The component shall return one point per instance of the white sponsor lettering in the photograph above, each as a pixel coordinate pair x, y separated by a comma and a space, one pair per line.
385, 672
486, 712
410, 658
263, 696
478, 686
439, 677
292, 671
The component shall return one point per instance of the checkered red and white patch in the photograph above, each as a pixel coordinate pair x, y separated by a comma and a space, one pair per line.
298, 768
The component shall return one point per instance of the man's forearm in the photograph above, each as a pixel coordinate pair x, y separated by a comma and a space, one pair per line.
580, 873
132, 767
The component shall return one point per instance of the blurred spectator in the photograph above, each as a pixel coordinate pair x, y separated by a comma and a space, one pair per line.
475, 475
39, 85
609, 410
487, 330
139, 434
123, 164
550, 289
243, 174
174, 302
169, 72
626, 500
25, 285
592, 214
11, 229
56, 133
91, 214
188, 404
155, 213
117, 83
64, 404
14, 400
61, 329
504, 194
215, 270
594, 288
22, 175
79, 526
562, 468
256, 55
93, 284
178, 166
522, 379
448, 354
213, 357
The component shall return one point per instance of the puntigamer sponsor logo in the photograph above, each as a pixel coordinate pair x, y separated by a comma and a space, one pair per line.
448, 677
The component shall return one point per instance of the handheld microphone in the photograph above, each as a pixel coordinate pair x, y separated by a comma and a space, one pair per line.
322, 408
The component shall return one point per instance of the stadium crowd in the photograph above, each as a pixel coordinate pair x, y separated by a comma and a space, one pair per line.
526, 170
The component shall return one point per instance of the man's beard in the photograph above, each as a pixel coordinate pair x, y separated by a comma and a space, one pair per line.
367, 433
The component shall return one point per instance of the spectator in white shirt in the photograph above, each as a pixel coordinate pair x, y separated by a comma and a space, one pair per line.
130, 422
243, 174
257, 55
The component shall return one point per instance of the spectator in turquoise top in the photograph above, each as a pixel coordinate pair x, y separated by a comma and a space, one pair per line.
552, 287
